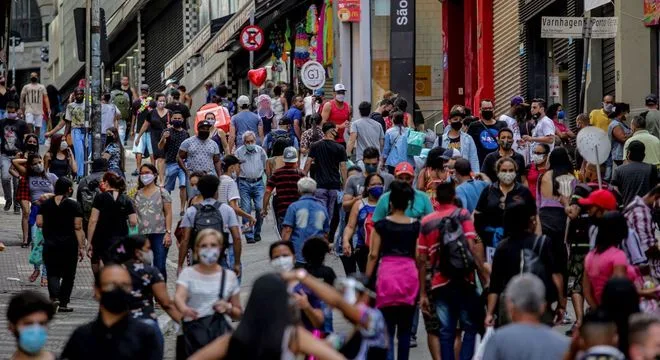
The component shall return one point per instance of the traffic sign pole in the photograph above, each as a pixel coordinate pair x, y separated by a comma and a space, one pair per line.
251, 59
586, 36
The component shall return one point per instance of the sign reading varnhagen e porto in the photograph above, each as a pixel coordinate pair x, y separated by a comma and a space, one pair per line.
348, 10
402, 53
563, 27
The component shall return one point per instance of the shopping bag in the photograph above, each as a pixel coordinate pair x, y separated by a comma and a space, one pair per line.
480, 344
415, 142
36, 254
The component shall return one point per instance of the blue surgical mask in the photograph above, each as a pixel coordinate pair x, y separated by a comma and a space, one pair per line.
32, 338
376, 191
561, 115
370, 169
250, 147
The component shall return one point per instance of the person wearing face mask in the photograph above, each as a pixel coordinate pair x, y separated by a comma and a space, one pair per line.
110, 115
170, 142
618, 131
153, 206
12, 133
136, 255
484, 131
178, 104
564, 133
421, 204
282, 136
244, 121
154, 125
537, 166
114, 333
600, 117
364, 132
74, 119
60, 219
360, 219
23, 190
284, 182
114, 152
395, 147
489, 213
33, 99
457, 139
199, 153
295, 114
41, 186
354, 189
59, 159
338, 112
544, 131
28, 314
228, 190
250, 182
505, 141
385, 107
205, 290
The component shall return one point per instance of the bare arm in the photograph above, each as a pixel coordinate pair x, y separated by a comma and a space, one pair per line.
80, 236
91, 227
20, 165
237, 209
57, 128
588, 291
215, 350
351, 143
260, 130
160, 293
374, 252
180, 300
232, 135
163, 140
325, 113
40, 220
183, 247
308, 165
180, 158
286, 233
218, 164
343, 171
350, 229
72, 161
422, 259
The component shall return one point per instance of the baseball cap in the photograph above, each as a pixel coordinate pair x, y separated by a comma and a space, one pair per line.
144, 87
290, 155
319, 92
340, 87
79, 90
243, 100
450, 154
651, 99
230, 160
404, 168
517, 100
205, 123
171, 81
285, 120
601, 198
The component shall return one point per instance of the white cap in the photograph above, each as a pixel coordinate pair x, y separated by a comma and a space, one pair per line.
243, 100
340, 87
170, 81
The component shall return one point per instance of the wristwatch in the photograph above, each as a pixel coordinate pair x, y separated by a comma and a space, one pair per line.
168, 231
301, 274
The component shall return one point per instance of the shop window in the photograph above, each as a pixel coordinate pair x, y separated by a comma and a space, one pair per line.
380, 48
26, 20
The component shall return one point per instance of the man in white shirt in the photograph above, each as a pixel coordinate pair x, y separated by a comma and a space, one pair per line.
511, 122
544, 131
228, 191
366, 132
110, 116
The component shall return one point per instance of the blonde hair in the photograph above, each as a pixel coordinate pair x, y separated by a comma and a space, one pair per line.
204, 234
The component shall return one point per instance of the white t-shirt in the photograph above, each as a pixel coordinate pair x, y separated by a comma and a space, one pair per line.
229, 217
204, 289
228, 190
108, 113
544, 127
512, 124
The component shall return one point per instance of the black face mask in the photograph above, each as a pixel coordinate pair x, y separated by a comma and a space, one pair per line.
385, 113
31, 148
536, 116
203, 134
177, 123
33, 79
456, 125
115, 301
487, 114
110, 138
80, 99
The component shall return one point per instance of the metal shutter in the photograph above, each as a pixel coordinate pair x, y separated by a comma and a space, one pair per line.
506, 53
163, 38
609, 72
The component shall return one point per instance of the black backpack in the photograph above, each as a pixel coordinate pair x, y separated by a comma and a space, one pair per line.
280, 140
530, 259
456, 260
207, 217
87, 195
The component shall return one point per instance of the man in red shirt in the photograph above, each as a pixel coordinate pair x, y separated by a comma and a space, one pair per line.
284, 182
338, 112
453, 299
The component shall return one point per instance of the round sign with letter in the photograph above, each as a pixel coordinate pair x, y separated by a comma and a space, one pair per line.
313, 75
252, 38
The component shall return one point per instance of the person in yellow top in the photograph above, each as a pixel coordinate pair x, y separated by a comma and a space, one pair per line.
599, 117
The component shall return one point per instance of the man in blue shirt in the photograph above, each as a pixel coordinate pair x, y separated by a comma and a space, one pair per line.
296, 115
305, 218
210, 91
243, 122
469, 190
283, 134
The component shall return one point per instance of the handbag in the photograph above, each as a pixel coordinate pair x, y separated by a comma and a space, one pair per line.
36, 254
200, 332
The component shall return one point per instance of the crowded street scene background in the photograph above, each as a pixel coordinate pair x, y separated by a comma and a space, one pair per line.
304, 200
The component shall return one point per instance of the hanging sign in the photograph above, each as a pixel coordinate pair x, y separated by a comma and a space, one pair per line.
651, 12
574, 27
348, 10
252, 38
313, 75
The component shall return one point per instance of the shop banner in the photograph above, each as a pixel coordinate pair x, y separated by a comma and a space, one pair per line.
402, 49
348, 10
651, 12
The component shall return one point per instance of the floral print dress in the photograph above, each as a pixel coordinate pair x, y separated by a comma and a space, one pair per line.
151, 217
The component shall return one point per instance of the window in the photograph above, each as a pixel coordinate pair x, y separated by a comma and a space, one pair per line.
26, 20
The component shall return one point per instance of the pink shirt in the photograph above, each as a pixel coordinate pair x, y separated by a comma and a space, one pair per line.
600, 267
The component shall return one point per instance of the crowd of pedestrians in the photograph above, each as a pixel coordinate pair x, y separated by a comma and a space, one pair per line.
486, 230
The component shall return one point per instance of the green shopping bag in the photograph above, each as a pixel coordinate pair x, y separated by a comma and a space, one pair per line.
415, 142
36, 255
132, 230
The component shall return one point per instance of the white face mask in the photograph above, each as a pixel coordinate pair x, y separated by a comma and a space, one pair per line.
64, 145
209, 256
282, 263
147, 178
147, 257
537, 159
160, 104
340, 97
506, 178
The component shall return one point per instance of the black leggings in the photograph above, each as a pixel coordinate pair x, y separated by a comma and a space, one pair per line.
359, 257
61, 270
399, 319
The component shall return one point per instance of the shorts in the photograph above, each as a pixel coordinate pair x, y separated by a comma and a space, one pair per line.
173, 173
431, 320
34, 119
144, 144
576, 270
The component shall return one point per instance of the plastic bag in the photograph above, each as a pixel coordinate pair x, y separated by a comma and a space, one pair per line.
480, 344
36, 254
415, 142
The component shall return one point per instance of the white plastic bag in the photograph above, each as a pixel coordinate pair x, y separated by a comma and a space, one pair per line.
480, 344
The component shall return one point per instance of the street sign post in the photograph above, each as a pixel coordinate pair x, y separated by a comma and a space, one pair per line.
252, 38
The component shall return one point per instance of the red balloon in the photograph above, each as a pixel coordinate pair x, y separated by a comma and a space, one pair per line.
257, 76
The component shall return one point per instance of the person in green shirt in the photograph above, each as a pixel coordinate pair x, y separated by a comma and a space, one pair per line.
421, 205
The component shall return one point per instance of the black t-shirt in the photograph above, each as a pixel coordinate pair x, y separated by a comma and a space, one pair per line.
490, 210
113, 218
157, 124
173, 144
183, 109
488, 166
485, 137
398, 239
379, 118
143, 278
322, 272
12, 133
58, 226
454, 143
327, 155
4, 99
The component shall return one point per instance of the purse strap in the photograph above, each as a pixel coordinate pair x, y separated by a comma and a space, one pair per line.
222, 284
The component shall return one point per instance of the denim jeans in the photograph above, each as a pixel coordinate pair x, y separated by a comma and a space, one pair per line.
457, 302
173, 172
329, 198
9, 182
122, 131
160, 252
78, 135
154, 324
252, 192
228, 260
42, 132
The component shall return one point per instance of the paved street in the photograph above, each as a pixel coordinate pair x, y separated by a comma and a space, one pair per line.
15, 270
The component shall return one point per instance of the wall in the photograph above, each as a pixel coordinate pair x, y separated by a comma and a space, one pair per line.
506, 50
428, 54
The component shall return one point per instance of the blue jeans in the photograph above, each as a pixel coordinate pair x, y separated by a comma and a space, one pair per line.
173, 172
457, 302
154, 324
160, 252
252, 192
122, 130
329, 198
78, 135
228, 260
42, 132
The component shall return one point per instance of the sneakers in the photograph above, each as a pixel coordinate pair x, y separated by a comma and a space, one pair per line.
17, 211
8, 204
135, 173
65, 309
413, 342
257, 238
56, 305
250, 241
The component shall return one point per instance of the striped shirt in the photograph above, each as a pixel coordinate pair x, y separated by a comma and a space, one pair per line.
640, 219
254, 162
285, 181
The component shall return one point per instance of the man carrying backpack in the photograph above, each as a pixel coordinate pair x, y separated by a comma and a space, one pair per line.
447, 248
121, 100
211, 214
282, 137
89, 187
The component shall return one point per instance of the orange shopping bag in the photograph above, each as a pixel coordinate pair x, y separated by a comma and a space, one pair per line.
222, 118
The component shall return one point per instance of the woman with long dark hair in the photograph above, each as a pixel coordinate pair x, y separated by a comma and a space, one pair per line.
395, 148
538, 165
620, 300
59, 159
22, 191
276, 339
114, 151
112, 213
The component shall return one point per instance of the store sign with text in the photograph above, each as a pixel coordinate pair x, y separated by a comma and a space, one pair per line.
348, 10
402, 45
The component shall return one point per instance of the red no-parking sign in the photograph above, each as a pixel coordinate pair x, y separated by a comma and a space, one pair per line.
252, 38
